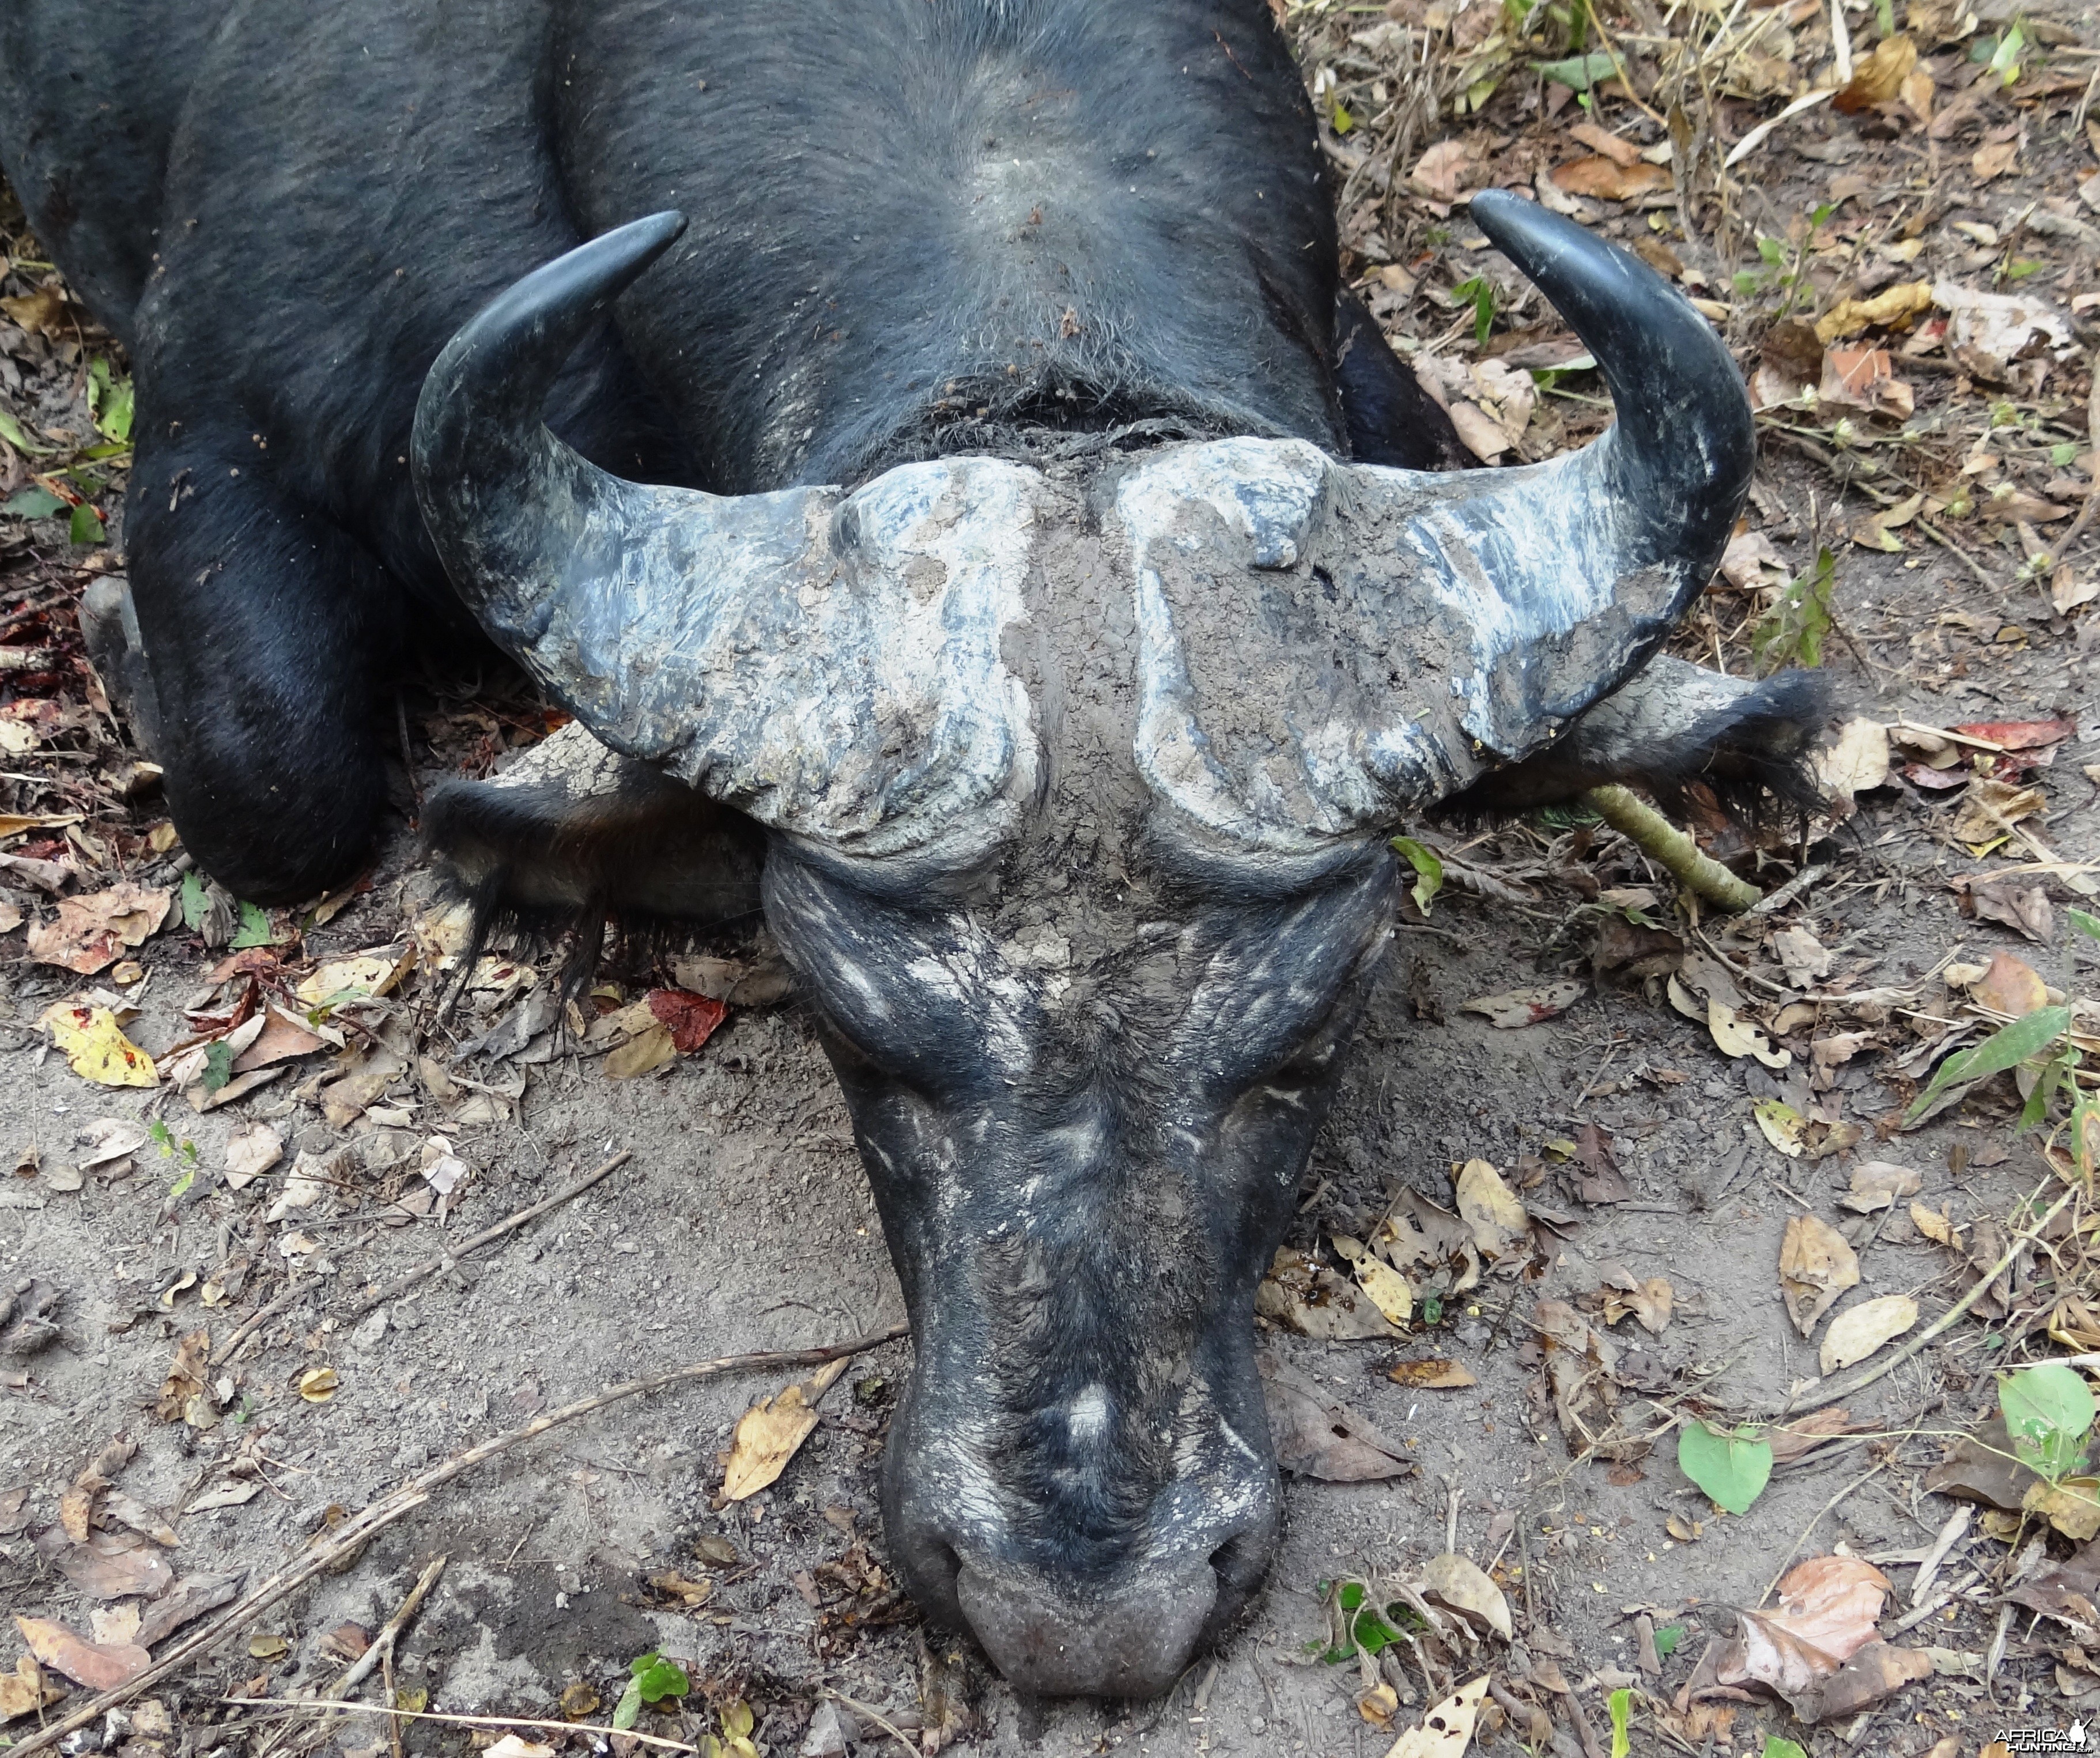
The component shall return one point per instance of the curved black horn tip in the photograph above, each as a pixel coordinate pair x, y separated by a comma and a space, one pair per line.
583, 280
1669, 371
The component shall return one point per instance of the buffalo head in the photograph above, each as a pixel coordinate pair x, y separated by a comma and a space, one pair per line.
1065, 791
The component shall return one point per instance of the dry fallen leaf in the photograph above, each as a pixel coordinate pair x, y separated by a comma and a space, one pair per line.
1878, 1183
1605, 176
1856, 760
89, 933
1314, 1301
643, 1054
1447, 1729
24, 1691
1526, 1007
1994, 160
2069, 1504
366, 973
2010, 986
1805, 959
86, 1663
1878, 77
1935, 1226
96, 1047
1500, 1228
1441, 172
1892, 305
1859, 1331
1462, 1585
1820, 1650
1815, 1267
1864, 378
317, 1386
1989, 808
768, 1433
251, 1151
182, 1392
1736, 1037
1649, 1302
1316, 1435
1386, 1286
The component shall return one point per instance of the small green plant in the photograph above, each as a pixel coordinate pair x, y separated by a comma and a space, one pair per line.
1776, 1747
1791, 633
1622, 1702
254, 928
2048, 1413
1732, 1468
1481, 292
2029, 1036
109, 401
1359, 1626
1428, 870
656, 1681
1667, 1638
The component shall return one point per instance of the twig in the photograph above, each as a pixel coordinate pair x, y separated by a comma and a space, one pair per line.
874, 1715
358, 1530
1853, 1387
401, 1284
1794, 1550
1655, 835
465, 1721
382, 1644
1950, 1536
256, 1319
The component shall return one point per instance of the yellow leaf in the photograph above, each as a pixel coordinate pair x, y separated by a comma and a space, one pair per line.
1894, 305
96, 1047
263, 1647
1782, 1125
641, 1054
373, 974
1448, 1729
1935, 1225
767, 1437
317, 1386
1491, 1209
2070, 1505
1736, 1037
1855, 1333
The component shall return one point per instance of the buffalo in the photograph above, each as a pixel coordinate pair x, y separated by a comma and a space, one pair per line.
927, 448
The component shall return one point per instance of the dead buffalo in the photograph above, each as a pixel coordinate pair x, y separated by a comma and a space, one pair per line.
1059, 742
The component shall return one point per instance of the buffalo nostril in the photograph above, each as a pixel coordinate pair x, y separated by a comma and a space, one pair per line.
1132, 1643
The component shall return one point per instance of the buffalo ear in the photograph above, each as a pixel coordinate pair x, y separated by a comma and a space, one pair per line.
1673, 728
574, 834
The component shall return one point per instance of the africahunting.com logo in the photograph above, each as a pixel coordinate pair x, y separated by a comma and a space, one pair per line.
2073, 1739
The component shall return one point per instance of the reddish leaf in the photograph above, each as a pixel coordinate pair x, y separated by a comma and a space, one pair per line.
2020, 735
691, 1019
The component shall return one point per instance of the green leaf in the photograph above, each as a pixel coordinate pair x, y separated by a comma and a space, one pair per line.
2049, 1412
1732, 1468
1481, 291
255, 929
2085, 923
656, 1678
217, 1065
1622, 1703
86, 525
2005, 59
1352, 1596
195, 902
1667, 1638
1343, 122
182, 1184
628, 1711
1791, 633
1373, 1634
1578, 72
161, 1136
11, 430
2006, 1048
109, 400
32, 503
1776, 1747
2020, 267
1428, 870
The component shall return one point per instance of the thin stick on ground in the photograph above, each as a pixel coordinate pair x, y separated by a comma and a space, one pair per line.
464, 1722
1852, 1388
1794, 1549
401, 1284
382, 1644
1655, 836
359, 1530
